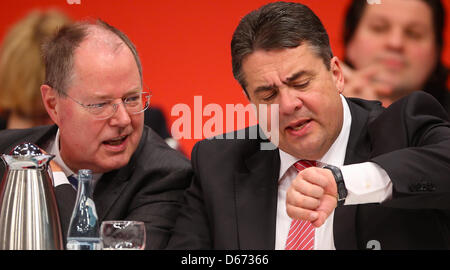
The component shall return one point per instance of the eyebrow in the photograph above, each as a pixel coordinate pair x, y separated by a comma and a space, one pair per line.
297, 75
265, 88
288, 80
382, 18
418, 26
108, 97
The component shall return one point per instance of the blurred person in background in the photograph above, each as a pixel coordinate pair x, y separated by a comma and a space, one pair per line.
395, 48
154, 117
22, 69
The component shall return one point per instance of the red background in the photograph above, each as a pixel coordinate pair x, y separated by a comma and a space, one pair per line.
184, 45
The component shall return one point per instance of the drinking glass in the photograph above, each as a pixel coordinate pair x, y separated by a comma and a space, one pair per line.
123, 235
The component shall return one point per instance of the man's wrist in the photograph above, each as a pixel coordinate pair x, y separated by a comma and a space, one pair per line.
340, 184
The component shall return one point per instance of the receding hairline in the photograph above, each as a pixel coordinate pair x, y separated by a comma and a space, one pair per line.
97, 35
59, 50
95, 32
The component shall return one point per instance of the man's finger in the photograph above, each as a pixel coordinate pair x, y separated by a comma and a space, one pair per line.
300, 200
346, 70
316, 176
382, 89
302, 214
368, 73
322, 217
306, 188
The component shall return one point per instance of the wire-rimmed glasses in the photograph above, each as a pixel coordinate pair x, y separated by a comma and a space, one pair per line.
134, 103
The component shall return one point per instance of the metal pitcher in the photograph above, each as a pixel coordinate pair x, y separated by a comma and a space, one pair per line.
29, 217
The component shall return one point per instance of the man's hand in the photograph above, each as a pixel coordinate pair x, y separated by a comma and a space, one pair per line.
312, 196
364, 84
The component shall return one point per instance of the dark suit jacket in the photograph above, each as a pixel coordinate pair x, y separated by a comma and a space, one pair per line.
148, 189
232, 201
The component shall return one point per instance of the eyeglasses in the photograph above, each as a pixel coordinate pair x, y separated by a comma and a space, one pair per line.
134, 104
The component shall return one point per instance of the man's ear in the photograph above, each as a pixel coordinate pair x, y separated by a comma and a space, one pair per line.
50, 100
336, 72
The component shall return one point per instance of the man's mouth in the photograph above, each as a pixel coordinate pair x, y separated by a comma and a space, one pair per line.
116, 141
392, 61
299, 125
393, 64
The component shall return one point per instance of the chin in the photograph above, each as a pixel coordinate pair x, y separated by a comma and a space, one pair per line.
302, 151
108, 168
110, 164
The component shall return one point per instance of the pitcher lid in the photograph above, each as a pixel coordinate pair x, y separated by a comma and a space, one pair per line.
27, 156
26, 149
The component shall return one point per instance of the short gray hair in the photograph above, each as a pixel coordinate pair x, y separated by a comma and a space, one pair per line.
59, 50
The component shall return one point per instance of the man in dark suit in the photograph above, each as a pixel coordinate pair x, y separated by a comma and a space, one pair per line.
94, 93
346, 173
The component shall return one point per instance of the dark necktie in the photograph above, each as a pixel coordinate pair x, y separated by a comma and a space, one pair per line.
73, 181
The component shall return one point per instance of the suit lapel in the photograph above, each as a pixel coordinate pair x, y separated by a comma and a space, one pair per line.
358, 150
108, 190
256, 200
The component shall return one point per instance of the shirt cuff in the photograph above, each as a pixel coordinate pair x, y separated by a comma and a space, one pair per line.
366, 183
60, 178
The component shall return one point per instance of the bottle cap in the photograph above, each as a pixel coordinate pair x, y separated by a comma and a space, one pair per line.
84, 174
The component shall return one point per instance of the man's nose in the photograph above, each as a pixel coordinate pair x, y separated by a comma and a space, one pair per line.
395, 39
289, 101
121, 117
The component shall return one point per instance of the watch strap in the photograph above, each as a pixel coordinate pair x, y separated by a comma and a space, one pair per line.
341, 188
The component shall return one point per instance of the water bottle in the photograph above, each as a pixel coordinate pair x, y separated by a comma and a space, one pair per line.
83, 231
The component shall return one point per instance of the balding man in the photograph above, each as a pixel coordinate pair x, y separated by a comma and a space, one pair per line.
94, 93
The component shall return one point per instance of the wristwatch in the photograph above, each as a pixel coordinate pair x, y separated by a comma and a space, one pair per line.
341, 189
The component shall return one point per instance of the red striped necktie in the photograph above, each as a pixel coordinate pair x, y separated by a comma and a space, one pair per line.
301, 232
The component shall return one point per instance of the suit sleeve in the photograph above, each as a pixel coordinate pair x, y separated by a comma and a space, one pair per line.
411, 142
192, 228
157, 203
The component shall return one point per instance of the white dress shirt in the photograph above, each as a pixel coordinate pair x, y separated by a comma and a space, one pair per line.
366, 183
60, 178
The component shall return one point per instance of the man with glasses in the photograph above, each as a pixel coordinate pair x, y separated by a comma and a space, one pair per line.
94, 93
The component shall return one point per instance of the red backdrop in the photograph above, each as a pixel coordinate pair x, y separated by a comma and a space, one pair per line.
184, 45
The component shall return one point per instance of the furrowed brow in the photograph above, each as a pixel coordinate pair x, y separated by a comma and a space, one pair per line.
295, 76
264, 88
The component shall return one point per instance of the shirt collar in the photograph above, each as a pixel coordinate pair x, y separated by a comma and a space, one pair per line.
54, 150
335, 155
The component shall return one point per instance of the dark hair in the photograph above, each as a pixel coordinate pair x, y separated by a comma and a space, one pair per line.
58, 52
438, 78
276, 26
